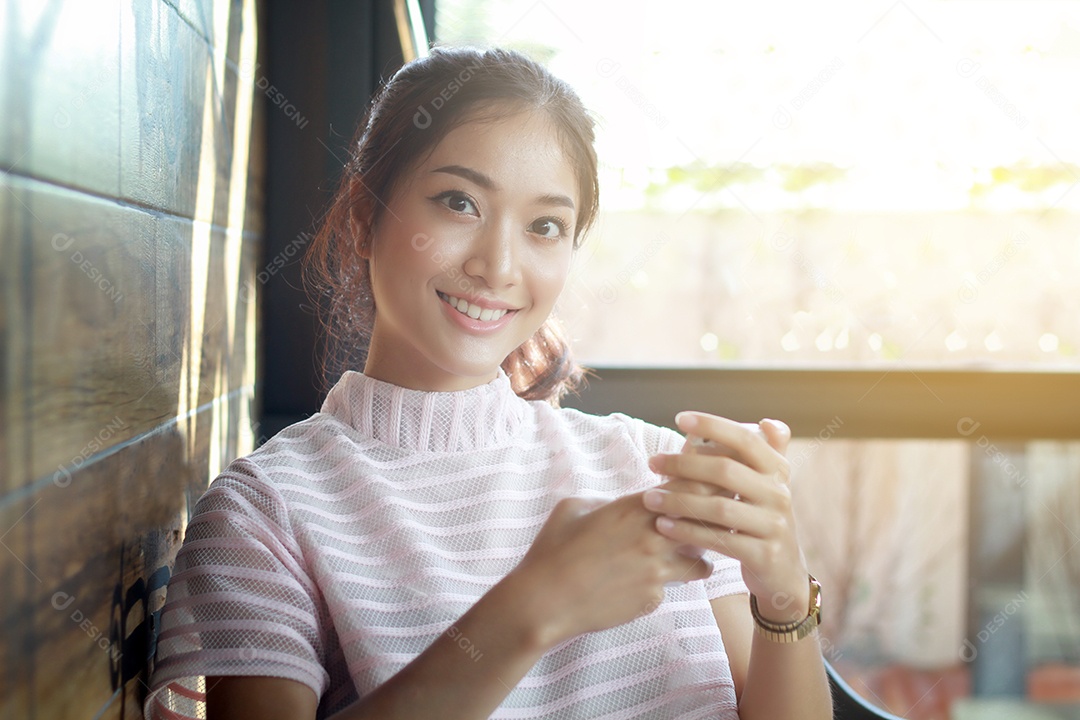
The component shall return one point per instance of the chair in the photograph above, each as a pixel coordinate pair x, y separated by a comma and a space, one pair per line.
847, 705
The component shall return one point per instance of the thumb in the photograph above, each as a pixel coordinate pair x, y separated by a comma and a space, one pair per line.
777, 434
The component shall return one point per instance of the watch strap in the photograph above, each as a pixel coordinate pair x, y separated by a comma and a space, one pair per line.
793, 631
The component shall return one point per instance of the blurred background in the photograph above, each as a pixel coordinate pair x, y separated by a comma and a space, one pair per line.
845, 186
858, 217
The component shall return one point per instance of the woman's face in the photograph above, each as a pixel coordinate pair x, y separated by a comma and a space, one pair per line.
471, 253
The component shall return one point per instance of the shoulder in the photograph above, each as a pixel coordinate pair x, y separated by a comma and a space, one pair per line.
304, 451
255, 485
303, 437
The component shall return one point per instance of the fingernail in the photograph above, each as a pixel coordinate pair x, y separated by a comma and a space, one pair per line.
665, 523
654, 463
686, 420
654, 499
777, 425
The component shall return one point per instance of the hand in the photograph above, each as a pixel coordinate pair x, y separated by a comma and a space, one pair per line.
596, 564
757, 526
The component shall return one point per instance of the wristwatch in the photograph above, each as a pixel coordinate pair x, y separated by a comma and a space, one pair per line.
793, 631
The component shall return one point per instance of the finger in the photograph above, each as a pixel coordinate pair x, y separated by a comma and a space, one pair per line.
777, 434
688, 532
745, 439
688, 486
707, 446
749, 441
722, 513
696, 444
727, 474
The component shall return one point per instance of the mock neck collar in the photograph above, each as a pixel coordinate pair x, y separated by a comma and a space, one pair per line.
457, 421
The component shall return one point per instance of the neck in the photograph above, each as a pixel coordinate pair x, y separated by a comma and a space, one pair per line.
404, 369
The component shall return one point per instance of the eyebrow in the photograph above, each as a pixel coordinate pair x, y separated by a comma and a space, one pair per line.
487, 183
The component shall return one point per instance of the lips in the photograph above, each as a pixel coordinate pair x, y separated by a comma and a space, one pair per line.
472, 310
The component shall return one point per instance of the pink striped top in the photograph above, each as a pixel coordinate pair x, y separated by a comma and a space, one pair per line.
349, 542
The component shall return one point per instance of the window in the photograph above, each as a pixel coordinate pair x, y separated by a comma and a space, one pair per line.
854, 185
792, 183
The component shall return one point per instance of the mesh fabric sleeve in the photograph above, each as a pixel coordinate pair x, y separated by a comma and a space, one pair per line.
240, 601
726, 578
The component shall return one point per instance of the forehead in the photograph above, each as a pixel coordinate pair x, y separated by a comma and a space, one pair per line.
517, 149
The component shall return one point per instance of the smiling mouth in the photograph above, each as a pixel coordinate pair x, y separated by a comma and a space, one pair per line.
474, 311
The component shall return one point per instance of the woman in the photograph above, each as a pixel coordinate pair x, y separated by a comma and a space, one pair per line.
442, 540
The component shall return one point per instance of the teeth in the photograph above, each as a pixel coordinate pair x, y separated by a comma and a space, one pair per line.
474, 311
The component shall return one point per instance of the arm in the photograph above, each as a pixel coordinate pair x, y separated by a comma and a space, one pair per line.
239, 698
444, 681
594, 565
771, 679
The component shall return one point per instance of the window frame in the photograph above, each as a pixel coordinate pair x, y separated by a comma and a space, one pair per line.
898, 402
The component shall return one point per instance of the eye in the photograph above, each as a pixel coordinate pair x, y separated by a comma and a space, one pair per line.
457, 201
549, 227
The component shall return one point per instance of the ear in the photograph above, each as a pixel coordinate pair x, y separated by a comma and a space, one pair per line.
360, 227
362, 219
361, 224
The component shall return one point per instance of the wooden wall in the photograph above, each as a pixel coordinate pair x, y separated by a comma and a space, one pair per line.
131, 174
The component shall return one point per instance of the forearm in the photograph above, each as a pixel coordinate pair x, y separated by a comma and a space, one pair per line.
786, 680
468, 671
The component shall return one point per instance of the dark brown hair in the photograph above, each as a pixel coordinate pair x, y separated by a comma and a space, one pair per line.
409, 116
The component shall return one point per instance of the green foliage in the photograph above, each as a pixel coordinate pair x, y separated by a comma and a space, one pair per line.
710, 178
1035, 178
801, 177
1027, 177
704, 178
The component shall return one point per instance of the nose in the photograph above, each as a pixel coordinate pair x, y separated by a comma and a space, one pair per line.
493, 258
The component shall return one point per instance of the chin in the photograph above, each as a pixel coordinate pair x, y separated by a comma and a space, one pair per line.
485, 372
479, 372
474, 362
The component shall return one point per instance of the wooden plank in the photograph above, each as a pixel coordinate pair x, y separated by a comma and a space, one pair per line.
128, 332
62, 113
126, 320
201, 16
127, 100
85, 565
223, 124
171, 103
217, 23
13, 437
884, 402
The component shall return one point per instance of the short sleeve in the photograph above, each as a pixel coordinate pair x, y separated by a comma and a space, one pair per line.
726, 578
240, 601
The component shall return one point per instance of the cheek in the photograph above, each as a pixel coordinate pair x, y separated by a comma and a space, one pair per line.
416, 248
550, 275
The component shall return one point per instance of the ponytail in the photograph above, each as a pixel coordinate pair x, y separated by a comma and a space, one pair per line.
543, 368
